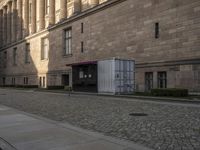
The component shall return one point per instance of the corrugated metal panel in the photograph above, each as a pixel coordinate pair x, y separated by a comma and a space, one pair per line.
116, 76
105, 76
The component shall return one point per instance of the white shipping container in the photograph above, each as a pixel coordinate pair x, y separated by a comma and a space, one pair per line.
116, 76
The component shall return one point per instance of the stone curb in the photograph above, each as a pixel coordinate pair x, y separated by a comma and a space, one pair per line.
160, 99
147, 98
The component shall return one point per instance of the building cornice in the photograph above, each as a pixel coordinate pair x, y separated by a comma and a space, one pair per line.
66, 21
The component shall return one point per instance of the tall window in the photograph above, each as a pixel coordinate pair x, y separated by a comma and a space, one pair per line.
82, 27
45, 49
30, 14
15, 56
157, 30
148, 81
67, 41
47, 7
82, 47
5, 59
27, 53
162, 79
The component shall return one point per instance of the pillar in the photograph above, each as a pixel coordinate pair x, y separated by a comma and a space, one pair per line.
9, 6
4, 25
1, 28
63, 9
52, 12
41, 14
93, 3
25, 18
77, 6
33, 15
19, 19
13, 20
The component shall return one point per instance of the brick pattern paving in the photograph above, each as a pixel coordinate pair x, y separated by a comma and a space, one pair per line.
167, 126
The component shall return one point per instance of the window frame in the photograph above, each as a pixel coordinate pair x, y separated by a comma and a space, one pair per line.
67, 52
5, 57
148, 81
157, 30
15, 56
43, 45
162, 79
27, 53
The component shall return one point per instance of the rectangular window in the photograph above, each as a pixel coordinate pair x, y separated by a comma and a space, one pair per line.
30, 14
46, 7
148, 81
157, 30
67, 42
162, 79
82, 28
15, 56
82, 47
45, 49
5, 59
27, 53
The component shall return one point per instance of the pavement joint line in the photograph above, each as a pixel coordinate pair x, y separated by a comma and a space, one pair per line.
68, 126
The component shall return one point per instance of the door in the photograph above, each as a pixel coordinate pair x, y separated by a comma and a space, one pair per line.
65, 79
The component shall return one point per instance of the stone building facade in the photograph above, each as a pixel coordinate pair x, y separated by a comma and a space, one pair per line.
39, 37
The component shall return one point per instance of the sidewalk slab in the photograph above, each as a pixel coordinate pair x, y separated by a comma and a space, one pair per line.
23, 131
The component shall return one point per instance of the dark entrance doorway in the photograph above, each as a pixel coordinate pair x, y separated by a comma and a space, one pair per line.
84, 77
65, 79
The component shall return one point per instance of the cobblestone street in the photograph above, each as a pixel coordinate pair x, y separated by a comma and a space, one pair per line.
166, 126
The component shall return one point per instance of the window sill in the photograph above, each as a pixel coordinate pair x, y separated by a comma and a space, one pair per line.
67, 55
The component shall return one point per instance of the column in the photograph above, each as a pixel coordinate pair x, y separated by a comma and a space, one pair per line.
93, 3
33, 15
4, 25
77, 6
1, 28
41, 14
52, 12
25, 18
9, 6
13, 20
19, 19
63, 9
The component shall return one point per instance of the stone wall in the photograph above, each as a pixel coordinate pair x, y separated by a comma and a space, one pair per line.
124, 29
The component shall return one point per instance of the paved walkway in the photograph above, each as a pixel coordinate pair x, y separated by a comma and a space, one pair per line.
23, 131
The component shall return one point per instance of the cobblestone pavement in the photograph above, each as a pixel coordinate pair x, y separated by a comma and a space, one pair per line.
168, 126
